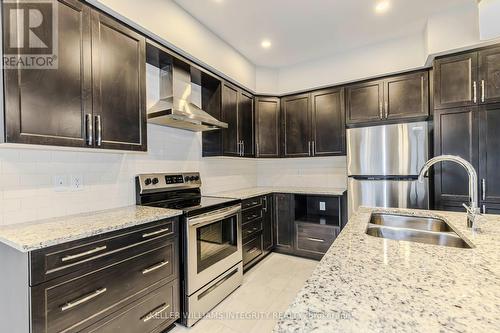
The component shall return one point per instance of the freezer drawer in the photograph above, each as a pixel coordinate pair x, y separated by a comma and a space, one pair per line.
399, 149
387, 193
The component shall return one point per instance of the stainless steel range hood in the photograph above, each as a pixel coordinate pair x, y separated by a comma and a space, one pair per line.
175, 107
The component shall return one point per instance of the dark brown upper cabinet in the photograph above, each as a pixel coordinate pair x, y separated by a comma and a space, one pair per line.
455, 133
365, 102
119, 68
246, 124
296, 125
489, 157
406, 96
489, 75
267, 127
48, 106
229, 114
455, 81
328, 122
237, 112
95, 97
394, 98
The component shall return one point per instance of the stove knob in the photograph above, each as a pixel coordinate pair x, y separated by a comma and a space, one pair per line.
147, 181
193, 178
186, 178
155, 181
196, 178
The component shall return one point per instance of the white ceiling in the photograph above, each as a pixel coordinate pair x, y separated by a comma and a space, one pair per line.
303, 30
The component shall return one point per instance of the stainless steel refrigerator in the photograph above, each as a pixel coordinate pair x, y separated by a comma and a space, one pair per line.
383, 163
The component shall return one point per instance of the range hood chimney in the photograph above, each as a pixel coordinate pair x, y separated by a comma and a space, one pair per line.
175, 107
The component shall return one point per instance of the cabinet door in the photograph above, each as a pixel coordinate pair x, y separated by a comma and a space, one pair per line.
454, 79
407, 96
119, 85
245, 124
267, 125
230, 116
455, 133
328, 122
296, 126
268, 228
364, 102
284, 221
48, 106
489, 153
489, 75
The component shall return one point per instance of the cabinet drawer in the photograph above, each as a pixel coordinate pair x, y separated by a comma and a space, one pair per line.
315, 238
251, 214
92, 253
71, 305
252, 202
154, 312
250, 229
252, 249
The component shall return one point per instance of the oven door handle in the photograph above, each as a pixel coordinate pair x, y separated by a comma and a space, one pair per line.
213, 217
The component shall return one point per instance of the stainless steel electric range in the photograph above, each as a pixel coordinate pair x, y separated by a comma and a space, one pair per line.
211, 249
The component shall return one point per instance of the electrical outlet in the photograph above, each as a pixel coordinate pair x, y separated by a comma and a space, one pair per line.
76, 182
322, 205
60, 183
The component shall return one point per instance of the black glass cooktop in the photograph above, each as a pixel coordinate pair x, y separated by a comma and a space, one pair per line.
196, 205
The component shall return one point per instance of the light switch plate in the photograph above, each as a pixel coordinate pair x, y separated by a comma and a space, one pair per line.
322, 205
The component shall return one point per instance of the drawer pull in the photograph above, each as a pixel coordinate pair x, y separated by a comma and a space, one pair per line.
83, 299
154, 233
84, 254
316, 240
253, 250
155, 312
154, 268
252, 217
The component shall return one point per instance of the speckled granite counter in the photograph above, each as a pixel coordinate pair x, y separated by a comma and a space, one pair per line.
31, 236
250, 192
369, 284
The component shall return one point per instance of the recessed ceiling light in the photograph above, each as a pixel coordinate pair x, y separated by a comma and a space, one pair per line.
266, 43
382, 6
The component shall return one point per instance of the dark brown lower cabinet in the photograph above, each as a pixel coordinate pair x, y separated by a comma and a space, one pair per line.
307, 225
125, 281
257, 229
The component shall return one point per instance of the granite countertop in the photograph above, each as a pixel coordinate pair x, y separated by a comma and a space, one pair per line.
36, 235
370, 284
250, 192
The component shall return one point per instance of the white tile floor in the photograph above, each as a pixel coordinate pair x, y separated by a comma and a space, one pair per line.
267, 290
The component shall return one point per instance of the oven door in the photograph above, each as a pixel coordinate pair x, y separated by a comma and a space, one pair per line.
213, 245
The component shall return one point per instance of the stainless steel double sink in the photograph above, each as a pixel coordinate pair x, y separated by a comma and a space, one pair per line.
428, 230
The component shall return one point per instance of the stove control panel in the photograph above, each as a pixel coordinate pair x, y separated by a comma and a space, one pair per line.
160, 181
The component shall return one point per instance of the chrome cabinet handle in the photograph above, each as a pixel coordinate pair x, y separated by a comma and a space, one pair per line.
483, 189
98, 126
265, 206
380, 111
257, 151
309, 147
483, 91
84, 299
252, 217
154, 233
474, 87
154, 267
253, 250
316, 240
484, 209
314, 148
386, 107
89, 129
243, 148
155, 312
84, 254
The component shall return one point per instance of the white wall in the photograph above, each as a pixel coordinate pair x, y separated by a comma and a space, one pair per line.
489, 19
173, 24
26, 176
318, 172
392, 56
453, 29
